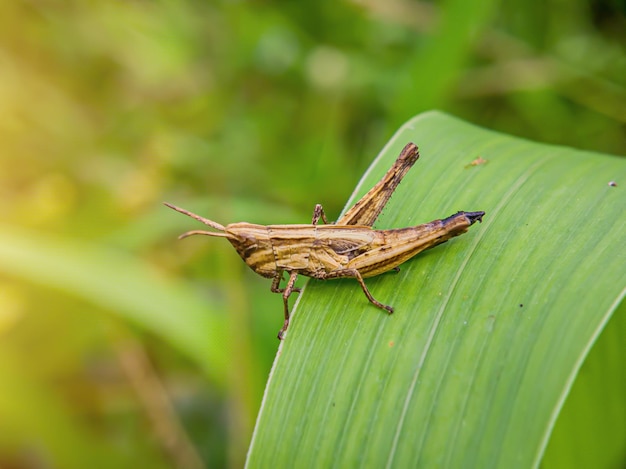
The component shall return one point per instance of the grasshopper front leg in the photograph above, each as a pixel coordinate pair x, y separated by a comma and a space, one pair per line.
275, 288
353, 273
287, 291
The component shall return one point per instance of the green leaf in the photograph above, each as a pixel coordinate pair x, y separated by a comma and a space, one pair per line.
489, 330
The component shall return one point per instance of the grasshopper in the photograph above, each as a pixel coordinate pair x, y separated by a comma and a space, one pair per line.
348, 248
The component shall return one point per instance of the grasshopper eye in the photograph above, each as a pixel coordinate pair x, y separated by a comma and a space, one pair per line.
250, 242
250, 246
245, 244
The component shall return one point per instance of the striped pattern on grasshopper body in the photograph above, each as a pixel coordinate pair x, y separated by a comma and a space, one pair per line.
348, 248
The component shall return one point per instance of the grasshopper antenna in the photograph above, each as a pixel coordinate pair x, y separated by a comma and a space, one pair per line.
206, 221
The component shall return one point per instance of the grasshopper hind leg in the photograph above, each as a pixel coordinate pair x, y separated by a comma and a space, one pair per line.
353, 273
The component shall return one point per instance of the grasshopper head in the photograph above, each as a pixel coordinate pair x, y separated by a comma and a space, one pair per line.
250, 241
253, 244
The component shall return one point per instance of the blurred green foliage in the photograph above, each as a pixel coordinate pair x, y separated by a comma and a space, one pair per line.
242, 111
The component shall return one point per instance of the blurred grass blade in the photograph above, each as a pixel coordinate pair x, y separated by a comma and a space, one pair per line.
490, 329
31, 412
124, 285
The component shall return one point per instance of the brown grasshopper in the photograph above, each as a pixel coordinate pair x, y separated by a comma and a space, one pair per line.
348, 248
